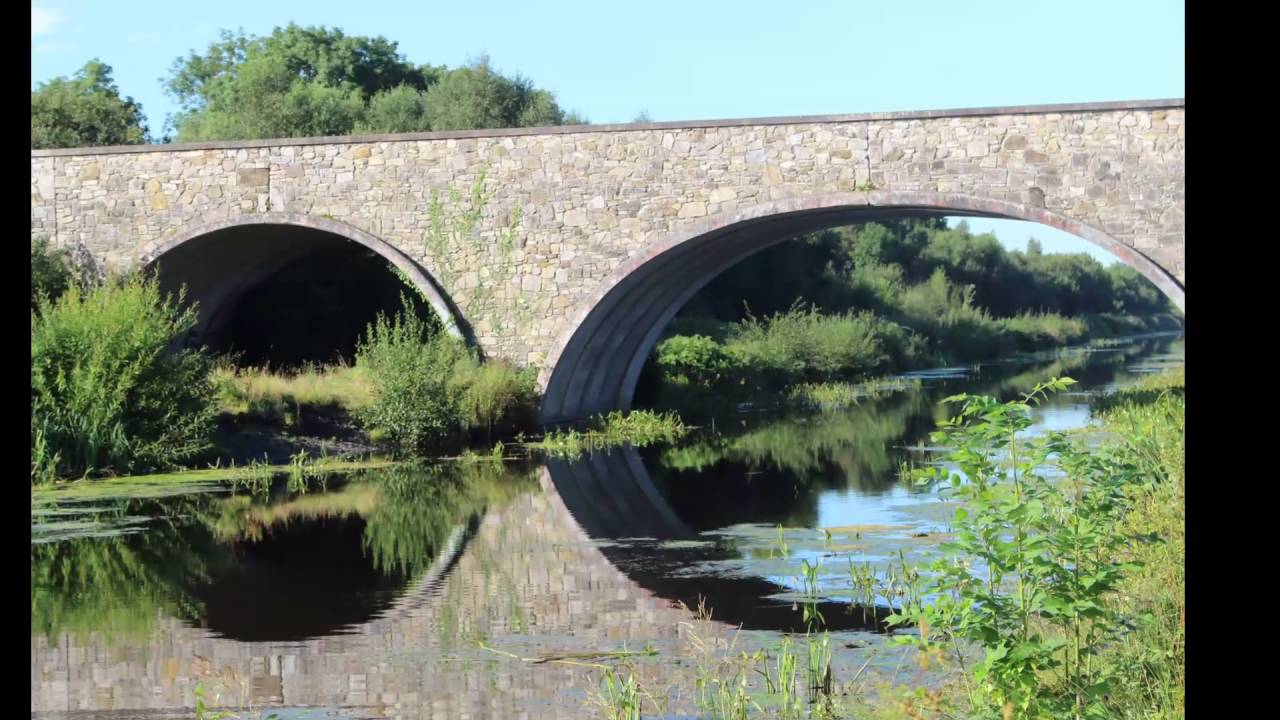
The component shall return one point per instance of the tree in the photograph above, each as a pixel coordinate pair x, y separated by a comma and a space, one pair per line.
85, 110
302, 81
476, 96
398, 110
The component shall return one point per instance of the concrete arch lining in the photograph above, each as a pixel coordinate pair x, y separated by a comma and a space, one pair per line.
595, 364
429, 289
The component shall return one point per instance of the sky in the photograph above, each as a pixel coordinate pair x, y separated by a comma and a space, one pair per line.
690, 59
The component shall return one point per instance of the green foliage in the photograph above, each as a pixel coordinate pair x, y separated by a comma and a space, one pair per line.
696, 358
84, 110
803, 344
620, 698
410, 367
871, 264
450, 241
428, 386
1041, 556
418, 507
477, 96
118, 584
301, 81
639, 428
108, 394
494, 395
50, 273
401, 109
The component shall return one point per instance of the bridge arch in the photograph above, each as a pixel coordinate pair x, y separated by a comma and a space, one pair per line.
596, 362
220, 261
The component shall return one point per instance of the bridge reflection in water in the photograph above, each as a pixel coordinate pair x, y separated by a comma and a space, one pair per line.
544, 572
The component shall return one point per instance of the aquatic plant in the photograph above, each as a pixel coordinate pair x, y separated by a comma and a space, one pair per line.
639, 428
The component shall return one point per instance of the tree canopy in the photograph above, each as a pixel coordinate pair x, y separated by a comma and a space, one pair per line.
838, 269
85, 110
302, 81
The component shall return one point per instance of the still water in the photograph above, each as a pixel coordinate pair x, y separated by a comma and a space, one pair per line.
441, 591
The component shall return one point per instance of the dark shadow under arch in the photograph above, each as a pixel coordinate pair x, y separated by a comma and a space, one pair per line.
219, 263
596, 362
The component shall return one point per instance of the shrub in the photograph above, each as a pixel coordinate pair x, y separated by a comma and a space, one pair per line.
1036, 331
428, 386
947, 315
50, 274
410, 367
108, 394
695, 358
807, 345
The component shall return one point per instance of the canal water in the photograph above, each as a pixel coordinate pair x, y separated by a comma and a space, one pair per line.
474, 590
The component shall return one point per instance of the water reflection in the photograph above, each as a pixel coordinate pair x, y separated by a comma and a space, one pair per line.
372, 593
289, 564
838, 471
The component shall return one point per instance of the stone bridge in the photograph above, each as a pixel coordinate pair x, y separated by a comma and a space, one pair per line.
585, 241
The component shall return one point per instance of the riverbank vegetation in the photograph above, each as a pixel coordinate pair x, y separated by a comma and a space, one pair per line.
429, 385
112, 393
640, 428
850, 303
1060, 593
108, 393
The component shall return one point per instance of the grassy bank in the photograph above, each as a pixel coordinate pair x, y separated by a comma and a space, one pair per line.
111, 396
810, 356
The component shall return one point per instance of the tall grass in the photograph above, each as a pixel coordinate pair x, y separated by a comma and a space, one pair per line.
261, 392
1147, 423
108, 395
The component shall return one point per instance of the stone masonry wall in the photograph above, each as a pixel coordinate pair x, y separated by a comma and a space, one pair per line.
589, 199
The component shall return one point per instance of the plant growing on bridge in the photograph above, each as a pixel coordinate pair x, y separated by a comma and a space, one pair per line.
451, 241
107, 393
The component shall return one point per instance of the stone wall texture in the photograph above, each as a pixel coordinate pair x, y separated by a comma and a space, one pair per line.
571, 208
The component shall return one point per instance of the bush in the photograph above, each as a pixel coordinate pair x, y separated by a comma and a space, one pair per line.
107, 392
410, 366
694, 358
947, 315
428, 386
807, 345
1037, 331
50, 274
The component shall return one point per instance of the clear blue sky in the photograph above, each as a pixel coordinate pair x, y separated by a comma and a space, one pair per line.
688, 59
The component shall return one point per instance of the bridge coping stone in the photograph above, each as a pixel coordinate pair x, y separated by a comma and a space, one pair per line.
623, 127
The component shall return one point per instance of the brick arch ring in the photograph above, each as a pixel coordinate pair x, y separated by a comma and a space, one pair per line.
430, 290
595, 363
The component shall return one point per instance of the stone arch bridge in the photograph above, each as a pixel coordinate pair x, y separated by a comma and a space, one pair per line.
588, 239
